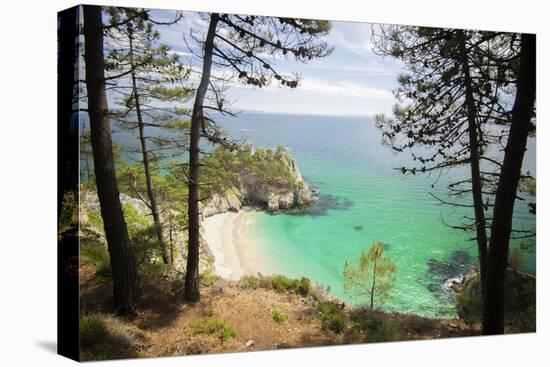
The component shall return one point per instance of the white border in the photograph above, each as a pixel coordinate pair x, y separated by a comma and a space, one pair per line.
28, 182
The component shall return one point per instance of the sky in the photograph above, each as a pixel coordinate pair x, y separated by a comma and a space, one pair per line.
350, 81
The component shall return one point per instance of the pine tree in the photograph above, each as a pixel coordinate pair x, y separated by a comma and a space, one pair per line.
373, 276
453, 101
126, 285
245, 46
523, 113
151, 83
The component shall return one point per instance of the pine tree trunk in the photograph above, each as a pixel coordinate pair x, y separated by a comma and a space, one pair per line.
477, 196
145, 153
192, 292
522, 112
126, 290
373, 285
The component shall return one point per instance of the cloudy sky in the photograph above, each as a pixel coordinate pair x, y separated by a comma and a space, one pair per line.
351, 81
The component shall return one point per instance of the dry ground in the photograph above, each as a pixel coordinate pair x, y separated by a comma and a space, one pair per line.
165, 324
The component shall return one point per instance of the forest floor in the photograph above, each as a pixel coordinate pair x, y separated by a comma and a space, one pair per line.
233, 318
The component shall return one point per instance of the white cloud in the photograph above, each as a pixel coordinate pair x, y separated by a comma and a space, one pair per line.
343, 89
355, 37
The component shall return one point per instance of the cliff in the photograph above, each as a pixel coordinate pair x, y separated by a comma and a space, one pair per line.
264, 178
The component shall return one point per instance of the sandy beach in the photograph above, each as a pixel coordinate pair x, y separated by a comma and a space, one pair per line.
230, 238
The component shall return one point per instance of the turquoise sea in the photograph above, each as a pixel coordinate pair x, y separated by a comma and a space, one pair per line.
364, 199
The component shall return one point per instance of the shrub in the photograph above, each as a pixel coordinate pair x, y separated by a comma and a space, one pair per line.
382, 331
95, 220
97, 255
337, 323
250, 282
103, 272
94, 253
468, 307
331, 317
214, 326
376, 329
278, 316
177, 284
278, 283
208, 278
92, 330
135, 220
281, 283
304, 286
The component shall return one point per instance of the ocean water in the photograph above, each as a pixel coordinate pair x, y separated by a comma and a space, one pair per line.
363, 198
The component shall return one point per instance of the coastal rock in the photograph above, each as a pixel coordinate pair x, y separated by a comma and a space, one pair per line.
230, 200
272, 195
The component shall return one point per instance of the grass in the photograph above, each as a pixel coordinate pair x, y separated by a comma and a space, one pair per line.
93, 253
96, 254
92, 330
105, 337
278, 316
214, 326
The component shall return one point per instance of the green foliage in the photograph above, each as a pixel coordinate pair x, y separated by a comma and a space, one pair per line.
281, 283
382, 331
95, 220
135, 220
93, 253
374, 326
516, 257
68, 218
214, 326
278, 316
470, 308
167, 179
223, 167
92, 330
251, 282
162, 93
528, 184
331, 317
278, 283
372, 277
208, 278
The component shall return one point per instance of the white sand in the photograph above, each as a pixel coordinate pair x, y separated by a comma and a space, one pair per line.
229, 236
